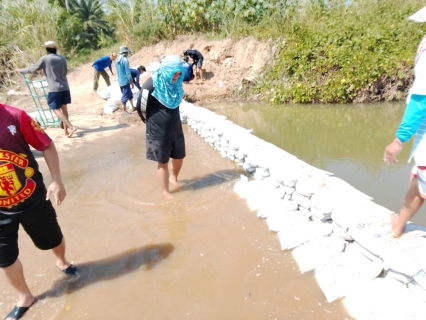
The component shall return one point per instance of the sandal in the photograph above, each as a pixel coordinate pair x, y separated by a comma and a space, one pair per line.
71, 271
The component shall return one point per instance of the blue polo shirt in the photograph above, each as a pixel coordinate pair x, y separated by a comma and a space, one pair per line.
103, 63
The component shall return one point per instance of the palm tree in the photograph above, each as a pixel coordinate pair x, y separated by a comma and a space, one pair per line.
93, 22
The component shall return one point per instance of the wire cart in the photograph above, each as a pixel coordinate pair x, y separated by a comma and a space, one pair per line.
38, 91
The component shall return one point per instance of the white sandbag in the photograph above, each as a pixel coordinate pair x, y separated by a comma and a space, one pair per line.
337, 230
398, 276
320, 215
110, 107
377, 239
384, 299
344, 271
315, 253
417, 290
301, 200
105, 93
294, 235
278, 220
420, 278
276, 206
307, 186
353, 212
406, 255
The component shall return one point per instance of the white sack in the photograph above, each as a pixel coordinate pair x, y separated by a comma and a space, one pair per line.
315, 253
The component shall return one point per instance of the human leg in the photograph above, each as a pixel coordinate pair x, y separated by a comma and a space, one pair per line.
96, 80
15, 276
176, 166
9, 262
58, 102
105, 75
412, 203
163, 178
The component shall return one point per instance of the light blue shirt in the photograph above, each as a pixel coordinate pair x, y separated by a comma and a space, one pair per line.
123, 71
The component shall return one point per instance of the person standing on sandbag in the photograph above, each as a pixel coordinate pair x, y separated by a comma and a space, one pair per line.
413, 124
160, 98
99, 67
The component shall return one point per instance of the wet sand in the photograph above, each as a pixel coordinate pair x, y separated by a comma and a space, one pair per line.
202, 255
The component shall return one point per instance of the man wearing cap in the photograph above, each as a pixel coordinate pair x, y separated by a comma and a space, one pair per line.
55, 69
99, 66
125, 79
413, 124
197, 59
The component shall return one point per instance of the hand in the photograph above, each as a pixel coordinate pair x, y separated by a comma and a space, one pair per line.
58, 191
392, 150
132, 85
17, 70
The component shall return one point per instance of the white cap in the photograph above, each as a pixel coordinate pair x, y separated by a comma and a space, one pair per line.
50, 44
419, 16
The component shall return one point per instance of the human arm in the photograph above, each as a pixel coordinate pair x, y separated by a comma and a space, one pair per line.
56, 187
110, 69
144, 99
414, 116
35, 136
40, 64
136, 80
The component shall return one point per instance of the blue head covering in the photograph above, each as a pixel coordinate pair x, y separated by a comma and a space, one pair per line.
167, 93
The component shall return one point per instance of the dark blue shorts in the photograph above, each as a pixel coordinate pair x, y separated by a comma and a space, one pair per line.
127, 94
39, 221
56, 100
162, 150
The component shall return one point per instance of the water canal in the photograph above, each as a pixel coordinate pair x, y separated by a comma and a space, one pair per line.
347, 140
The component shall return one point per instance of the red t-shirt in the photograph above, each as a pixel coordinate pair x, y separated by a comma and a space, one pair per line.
21, 183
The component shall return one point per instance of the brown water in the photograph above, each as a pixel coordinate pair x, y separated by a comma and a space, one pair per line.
202, 255
347, 140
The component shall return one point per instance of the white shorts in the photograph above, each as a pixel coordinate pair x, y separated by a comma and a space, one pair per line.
419, 172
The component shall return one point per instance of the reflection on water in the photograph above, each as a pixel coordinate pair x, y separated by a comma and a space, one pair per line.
347, 140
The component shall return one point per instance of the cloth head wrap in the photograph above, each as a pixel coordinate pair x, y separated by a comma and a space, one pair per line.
167, 93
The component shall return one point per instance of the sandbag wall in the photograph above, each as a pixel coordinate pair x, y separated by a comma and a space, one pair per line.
332, 228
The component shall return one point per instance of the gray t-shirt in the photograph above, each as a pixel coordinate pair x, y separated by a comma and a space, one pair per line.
55, 69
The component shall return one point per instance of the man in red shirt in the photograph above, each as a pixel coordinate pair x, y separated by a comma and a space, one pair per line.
25, 200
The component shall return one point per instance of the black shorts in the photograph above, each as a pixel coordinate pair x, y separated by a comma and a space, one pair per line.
56, 100
162, 150
40, 224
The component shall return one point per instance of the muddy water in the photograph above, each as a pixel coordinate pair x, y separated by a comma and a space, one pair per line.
347, 140
202, 255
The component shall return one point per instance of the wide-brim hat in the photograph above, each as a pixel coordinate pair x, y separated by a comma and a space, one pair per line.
419, 16
50, 44
124, 50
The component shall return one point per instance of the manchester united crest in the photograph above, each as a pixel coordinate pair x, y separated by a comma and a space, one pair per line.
12, 191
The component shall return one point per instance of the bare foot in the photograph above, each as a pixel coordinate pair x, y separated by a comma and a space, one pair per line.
173, 180
167, 195
72, 131
397, 230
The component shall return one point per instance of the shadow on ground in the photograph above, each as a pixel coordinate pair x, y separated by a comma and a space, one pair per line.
110, 268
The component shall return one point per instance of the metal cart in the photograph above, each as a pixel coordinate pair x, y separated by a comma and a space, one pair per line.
38, 91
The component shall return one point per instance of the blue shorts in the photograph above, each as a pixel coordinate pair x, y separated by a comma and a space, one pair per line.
56, 100
127, 94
